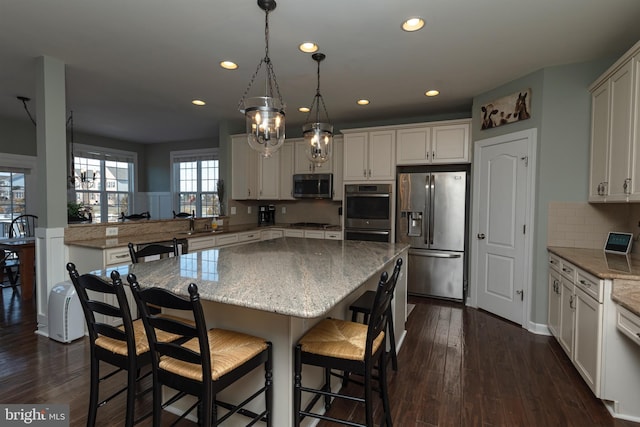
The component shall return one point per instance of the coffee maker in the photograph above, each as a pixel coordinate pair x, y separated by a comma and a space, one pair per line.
266, 215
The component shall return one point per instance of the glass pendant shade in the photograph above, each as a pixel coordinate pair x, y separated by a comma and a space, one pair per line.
319, 139
265, 124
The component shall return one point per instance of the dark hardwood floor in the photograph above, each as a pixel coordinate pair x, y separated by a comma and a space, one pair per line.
457, 367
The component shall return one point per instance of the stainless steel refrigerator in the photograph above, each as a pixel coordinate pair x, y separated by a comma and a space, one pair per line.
431, 217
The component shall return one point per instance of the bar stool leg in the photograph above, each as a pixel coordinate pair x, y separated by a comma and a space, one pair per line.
296, 387
392, 338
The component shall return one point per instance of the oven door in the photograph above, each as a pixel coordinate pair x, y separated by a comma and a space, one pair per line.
368, 211
368, 235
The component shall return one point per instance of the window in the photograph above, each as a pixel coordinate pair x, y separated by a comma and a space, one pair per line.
104, 181
12, 198
195, 178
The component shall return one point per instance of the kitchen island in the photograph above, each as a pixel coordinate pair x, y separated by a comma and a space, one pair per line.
278, 289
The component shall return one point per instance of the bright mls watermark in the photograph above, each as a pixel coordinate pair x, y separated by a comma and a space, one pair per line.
55, 415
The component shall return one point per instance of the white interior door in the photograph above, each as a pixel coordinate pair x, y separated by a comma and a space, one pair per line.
503, 190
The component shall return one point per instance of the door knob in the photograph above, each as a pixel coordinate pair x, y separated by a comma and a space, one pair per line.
481, 236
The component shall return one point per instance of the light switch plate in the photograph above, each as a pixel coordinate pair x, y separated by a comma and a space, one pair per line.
248, 209
112, 231
284, 209
233, 210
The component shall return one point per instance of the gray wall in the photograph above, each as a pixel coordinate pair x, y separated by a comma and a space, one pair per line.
561, 111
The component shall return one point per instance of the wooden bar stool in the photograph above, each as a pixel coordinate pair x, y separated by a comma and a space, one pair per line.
205, 364
364, 305
350, 347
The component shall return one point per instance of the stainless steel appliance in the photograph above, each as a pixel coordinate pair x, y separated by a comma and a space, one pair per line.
313, 186
431, 217
266, 215
368, 212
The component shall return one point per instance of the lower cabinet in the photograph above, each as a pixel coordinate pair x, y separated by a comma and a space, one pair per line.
576, 318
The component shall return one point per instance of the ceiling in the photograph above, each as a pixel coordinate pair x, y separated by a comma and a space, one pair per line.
133, 66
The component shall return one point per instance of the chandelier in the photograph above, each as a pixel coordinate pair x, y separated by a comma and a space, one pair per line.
318, 135
264, 114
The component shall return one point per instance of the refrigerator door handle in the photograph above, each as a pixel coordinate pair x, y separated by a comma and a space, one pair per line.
434, 254
432, 193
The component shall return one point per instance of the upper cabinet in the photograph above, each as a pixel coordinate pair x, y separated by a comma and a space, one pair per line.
286, 171
433, 144
253, 177
615, 132
302, 163
369, 155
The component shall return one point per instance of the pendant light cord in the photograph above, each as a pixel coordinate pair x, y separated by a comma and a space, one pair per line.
270, 78
317, 99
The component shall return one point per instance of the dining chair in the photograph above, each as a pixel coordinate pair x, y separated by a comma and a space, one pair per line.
152, 250
350, 347
23, 226
8, 266
209, 362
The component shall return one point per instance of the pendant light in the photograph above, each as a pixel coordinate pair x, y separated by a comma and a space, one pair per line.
318, 135
264, 114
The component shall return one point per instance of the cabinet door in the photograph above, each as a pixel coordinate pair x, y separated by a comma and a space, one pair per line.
567, 318
355, 156
450, 144
269, 176
286, 171
600, 106
338, 186
413, 146
302, 163
635, 144
554, 302
244, 164
588, 339
620, 134
382, 155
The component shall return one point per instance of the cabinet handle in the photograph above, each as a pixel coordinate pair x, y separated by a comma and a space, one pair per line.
121, 256
433, 155
364, 172
571, 302
552, 261
627, 186
584, 282
566, 270
369, 173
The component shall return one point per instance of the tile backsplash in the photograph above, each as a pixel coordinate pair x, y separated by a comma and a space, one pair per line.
585, 225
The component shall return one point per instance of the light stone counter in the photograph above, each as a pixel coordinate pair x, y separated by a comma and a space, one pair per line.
278, 289
623, 271
291, 276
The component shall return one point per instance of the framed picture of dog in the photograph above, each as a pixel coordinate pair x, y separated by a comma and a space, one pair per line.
508, 109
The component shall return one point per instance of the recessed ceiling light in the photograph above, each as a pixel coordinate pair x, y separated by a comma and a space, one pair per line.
363, 101
413, 24
198, 102
308, 47
304, 109
229, 65
432, 92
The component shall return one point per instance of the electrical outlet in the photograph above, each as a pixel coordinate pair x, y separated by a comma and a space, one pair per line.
284, 209
233, 210
112, 231
248, 209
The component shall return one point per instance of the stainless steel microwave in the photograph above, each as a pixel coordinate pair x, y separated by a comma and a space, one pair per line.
313, 186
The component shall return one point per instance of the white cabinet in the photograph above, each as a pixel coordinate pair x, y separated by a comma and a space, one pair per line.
253, 177
286, 171
271, 233
369, 156
576, 318
615, 137
294, 233
200, 243
244, 168
314, 234
333, 235
302, 163
445, 143
226, 239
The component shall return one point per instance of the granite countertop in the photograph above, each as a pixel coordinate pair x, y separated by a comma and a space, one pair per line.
291, 276
165, 236
624, 271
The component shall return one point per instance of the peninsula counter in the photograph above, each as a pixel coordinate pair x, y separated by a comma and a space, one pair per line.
278, 289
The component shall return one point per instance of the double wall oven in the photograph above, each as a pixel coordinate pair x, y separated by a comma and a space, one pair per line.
368, 212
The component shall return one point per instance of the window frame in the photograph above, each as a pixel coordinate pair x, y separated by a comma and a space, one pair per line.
104, 154
196, 155
27, 165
